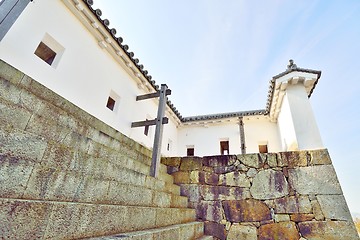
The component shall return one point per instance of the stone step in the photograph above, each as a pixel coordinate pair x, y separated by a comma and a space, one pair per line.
74, 141
186, 231
36, 115
63, 220
36, 169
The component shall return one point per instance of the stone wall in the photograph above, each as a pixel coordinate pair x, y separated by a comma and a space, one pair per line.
287, 195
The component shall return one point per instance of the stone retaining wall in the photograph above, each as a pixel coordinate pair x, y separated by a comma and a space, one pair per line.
288, 195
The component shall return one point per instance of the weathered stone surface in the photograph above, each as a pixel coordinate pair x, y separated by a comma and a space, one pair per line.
211, 193
251, 160
319, 157
269, 184
208, 178
234, 179
251, 172
272, 159
293, 159
334, 207
242, 232
317, 210
293, 204
209, 211
171, 161
329, 230
191, 164
282, 218
219, 161
282, 230
315, 180
215, 229
23, 219
14, 175
191, 191
301, 217
186, 177
246, 211
22, 145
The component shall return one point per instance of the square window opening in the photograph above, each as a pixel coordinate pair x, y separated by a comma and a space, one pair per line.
49, 50
224, 147
111, 103
263, 149
190, 151
44, 52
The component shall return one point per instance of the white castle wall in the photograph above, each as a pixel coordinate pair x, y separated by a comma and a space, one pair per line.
87, 74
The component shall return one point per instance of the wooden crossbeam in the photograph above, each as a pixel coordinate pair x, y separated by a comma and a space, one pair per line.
152, 95
148, 122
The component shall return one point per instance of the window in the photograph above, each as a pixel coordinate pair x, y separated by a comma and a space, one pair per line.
263, 149
224, 147
111, 103
190, 151
45, 53
49, 50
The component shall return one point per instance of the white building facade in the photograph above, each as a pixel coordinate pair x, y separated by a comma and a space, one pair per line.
66, 46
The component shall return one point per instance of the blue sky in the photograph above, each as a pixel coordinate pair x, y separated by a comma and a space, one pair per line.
218, 56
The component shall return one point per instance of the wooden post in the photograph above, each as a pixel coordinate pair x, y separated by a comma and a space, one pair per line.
155, 162
242, 135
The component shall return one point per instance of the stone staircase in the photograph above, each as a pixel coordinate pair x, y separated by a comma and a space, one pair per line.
66, 175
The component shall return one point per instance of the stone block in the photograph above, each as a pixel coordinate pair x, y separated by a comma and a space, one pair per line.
21, 144
13, 116
319, 157
281, 230
242, 232
14, 175
190, 164
251, 172
23, 219
246, 211
330, 230
191, 191
293, 159
334, 207
212, 193
219, 161
301, 217
215, 229
167, 216
10, 73
315, 180
235, 179
292, 204
317, 210
251, 160
269, 184
209, 211
130, 195
208, 178
135, 219
272, 159
171, 161
161, 199
282, 218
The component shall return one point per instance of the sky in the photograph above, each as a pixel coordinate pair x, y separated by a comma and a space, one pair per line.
219, 56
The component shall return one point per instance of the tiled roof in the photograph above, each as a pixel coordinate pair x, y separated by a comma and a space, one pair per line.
224, 115
119, 40
291, 68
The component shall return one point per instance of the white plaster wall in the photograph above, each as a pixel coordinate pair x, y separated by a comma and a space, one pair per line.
260, 131
206, 140
306, 130
286, 127
85, 74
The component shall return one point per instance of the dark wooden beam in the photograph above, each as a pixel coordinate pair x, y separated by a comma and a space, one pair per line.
152, 95
148, 122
